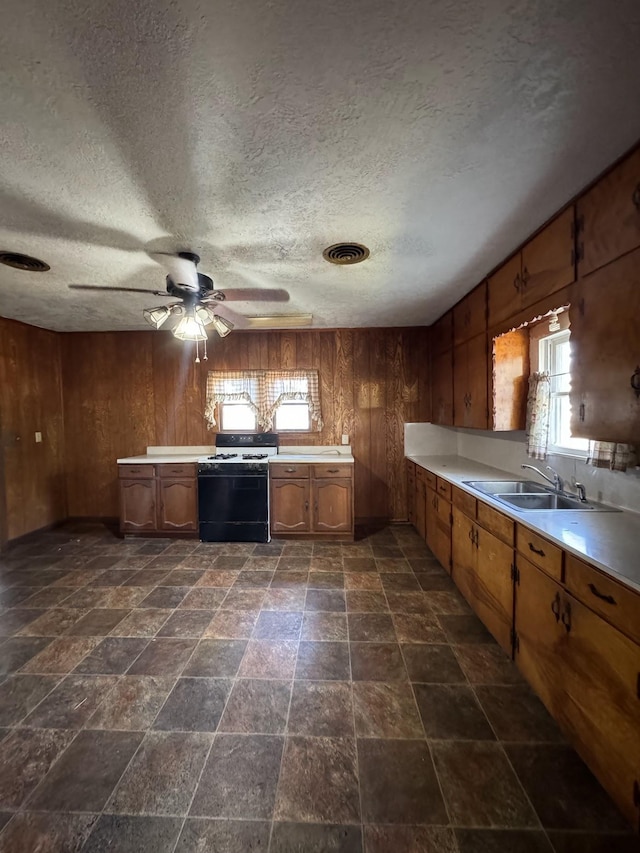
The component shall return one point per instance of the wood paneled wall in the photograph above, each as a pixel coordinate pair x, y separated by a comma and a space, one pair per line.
126, 390
32, 489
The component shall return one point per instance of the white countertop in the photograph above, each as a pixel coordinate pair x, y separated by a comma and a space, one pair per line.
159, 458
321, 455
313, 457
608, 540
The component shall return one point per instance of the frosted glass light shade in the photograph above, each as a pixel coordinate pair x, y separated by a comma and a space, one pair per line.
156, 316
190, 328
222, 326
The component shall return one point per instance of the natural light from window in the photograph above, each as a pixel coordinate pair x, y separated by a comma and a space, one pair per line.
555, 358
237, 417
292, 416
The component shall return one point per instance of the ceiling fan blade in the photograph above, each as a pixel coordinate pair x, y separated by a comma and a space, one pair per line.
239, 320
118, 289
255, 294
182, 271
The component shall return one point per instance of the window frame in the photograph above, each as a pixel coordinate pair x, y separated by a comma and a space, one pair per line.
546, 347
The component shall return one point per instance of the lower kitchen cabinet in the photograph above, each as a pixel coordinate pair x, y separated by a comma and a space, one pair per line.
158, 498
313, 503
420, 503
587, 673
411, 491
439, 520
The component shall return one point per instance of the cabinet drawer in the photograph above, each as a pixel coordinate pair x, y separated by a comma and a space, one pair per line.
180, 469
497, 523
443, 488
617, 603
539, 551
464, 501
280, 470
137, 472
330, 472
426, 477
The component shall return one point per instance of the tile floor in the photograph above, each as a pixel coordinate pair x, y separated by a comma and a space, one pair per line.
160, 696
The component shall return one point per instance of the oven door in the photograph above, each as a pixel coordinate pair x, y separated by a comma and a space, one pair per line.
233, 507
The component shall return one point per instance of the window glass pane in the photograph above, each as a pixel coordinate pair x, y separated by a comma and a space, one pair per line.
237, 416
292, 416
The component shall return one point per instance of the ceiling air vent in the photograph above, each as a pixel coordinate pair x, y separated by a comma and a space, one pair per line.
23, 262
345, 253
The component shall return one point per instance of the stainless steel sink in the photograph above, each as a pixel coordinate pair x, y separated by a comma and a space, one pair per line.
507, 487
546, 501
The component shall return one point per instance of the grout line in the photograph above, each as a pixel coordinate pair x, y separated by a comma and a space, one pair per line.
355, 737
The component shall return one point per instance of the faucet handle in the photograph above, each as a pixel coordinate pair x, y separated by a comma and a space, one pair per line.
582, 492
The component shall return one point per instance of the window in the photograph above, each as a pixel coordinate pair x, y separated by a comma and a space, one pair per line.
248, 400
555, 359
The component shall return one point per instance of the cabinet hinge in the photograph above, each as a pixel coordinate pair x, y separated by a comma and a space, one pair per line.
515, 641
581, 411
515, 573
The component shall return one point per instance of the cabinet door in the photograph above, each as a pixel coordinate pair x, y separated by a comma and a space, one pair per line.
411, 491
477, 381
504, 291
442, 334
178, 504
470, 315
609, 216
460, 386
332, 506
431, 513
289, 507
421, 507
494, 586
548, 261
464, 555
442, 389
137, 505
605, 353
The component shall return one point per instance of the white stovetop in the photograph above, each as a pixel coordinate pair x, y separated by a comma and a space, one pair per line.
608, 540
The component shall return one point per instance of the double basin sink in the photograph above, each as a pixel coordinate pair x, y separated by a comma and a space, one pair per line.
527, 495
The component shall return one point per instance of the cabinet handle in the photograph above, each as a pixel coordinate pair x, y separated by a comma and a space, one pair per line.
555, 606
476, 540
608, 598
635, 197
290, 470
333, 470
471, 533
566, 616
517, 282
535, 550
306, 506
635, 381
525, 277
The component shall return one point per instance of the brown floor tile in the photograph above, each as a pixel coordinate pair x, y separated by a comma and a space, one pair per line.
84, 776
284, 599
166, 656
484, 664
186, 623
226, 836
165, 561
435, 583
149, 785
278, 625
319, 781
26, 758
575, 800
464, 629
297, 549
216, 658
393, 565
293, 564
516, 714
452, 712
269, 659
232, 624
165, 597
502, 840
432, 663
583, 842
114, 655
371, 627
411, 839
386, 552
385, 710
257, 706
48, 597
409, 602
400, 583
134, 834
326, 580
259, 563
407, 791
253, 579
315, 838
240, 777
194, 705
447, 602
53, 623
124, 597
18, 652
479, 785
377, 662
289, 580
332, 600
203, 598
366, 601
322, 709
87, 598
218, 579
20, 694
72, 702
46, 833
363, 580
327, 563
183, 577
321, 626
61, 655
243, 599
97, 623
323, 661
359, 564
418, 628
112, 577
147, 577
267, 549
133, 703
141, 623
230, 563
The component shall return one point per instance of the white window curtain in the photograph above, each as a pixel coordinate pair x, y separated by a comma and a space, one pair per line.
608, 454
538, 409
264, 391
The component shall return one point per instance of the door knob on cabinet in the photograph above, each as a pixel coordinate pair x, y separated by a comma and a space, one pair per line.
635, 381
555, 606
566, 616
517, 282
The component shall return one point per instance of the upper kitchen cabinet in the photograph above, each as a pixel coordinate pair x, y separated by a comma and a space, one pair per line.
605, 355
609, 216
470, 315
470, 379
544, 266
442, 334
442, 388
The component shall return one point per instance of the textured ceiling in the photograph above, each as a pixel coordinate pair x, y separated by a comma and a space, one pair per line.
440, 134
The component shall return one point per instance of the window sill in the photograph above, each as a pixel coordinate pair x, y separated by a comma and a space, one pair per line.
568, 453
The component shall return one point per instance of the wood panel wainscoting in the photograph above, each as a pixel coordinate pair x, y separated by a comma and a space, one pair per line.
124, 391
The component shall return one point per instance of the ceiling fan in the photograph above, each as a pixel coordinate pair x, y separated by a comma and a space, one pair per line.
200, 304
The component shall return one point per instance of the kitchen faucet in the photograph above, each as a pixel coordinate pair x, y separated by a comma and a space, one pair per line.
556, 481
